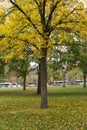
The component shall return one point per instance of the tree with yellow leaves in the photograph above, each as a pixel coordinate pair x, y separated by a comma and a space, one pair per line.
42, 19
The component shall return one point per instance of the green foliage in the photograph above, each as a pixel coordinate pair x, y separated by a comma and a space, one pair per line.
74, 74
79, 52
2, 65
19, 110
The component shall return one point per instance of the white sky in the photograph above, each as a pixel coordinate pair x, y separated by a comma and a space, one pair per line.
85, 2
5, 3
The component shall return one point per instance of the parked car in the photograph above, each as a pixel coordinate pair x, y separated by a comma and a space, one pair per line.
16, 85
6, 84
31, 84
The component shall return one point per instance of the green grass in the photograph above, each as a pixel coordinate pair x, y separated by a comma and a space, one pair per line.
20, 110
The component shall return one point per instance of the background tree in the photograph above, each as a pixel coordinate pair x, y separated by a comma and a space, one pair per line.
2, 69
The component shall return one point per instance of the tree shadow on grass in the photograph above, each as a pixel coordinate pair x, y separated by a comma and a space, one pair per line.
68, 93
17, 93
57, 93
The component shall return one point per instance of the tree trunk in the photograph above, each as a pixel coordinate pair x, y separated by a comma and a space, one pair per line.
24, 83
44, 102
17, 81
39, 79
84, 79
64, 78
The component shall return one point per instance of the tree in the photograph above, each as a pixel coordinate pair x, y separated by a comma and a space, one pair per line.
39, 78
44, 18
83, 60
79, 52
74, 75
62, 60
20, 67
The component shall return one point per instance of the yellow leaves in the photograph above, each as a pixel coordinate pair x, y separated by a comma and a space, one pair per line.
8, 57
20, 32
83, 32
65, 38
15, 49
1, 29
80, 5
30, 9
2, 11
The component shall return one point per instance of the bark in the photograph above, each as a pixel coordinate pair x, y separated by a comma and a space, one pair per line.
39, 79
24, 83
17, 81
84, 79
44, 102
64, 79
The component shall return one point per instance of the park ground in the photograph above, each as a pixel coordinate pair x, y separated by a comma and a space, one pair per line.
20, 110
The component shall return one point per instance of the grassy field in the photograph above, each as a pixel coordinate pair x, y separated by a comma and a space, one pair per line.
20, 110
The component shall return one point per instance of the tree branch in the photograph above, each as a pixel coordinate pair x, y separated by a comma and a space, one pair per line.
52, 11
29, 19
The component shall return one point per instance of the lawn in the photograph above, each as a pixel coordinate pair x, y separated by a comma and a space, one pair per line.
20, 110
